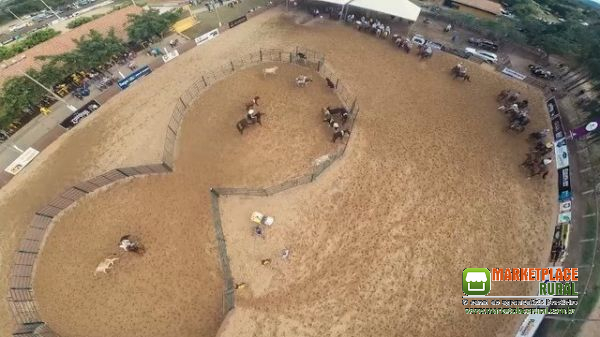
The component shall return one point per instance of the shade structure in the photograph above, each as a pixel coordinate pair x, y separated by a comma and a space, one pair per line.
399, 8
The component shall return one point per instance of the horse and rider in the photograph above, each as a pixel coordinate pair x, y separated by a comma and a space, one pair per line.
253, 116
460, 71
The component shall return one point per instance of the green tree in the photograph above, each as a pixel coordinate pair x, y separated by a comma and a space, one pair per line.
150, 24
30, 41
19, 94
79, 21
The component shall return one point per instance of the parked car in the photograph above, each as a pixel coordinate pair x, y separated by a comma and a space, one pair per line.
485, 55
418, 40
485, 44
540, 72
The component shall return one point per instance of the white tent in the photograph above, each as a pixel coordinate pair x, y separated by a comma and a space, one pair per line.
399, 8
336, 2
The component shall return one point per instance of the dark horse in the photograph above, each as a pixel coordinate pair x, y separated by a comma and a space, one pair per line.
244, 123
425, 51
462, 73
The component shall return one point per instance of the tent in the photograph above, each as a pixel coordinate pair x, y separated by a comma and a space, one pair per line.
399, 8
336, 2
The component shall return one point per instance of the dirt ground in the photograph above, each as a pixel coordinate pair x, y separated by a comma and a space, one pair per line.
172, 215
430, 181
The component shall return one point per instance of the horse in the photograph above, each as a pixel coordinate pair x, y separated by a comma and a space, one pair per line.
538, 137
130, 244
301, 57
425, 52
244, 123
459, 71
105, 265
253, 103
503, 95
407, 46
270, 71
302, 81
340, 133
519, 124
330, 83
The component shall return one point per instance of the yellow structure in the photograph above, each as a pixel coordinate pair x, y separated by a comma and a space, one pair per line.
184, 24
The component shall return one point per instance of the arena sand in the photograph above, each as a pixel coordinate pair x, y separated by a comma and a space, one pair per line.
429, 185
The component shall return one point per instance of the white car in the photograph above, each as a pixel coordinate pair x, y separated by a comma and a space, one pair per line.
485, 55
418, 40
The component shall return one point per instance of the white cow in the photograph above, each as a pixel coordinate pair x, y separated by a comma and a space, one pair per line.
270, 71
105, 265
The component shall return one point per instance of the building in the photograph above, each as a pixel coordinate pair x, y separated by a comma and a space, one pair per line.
482, 8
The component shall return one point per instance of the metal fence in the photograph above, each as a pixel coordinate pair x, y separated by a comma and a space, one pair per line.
583, 253
20, 283
301, 56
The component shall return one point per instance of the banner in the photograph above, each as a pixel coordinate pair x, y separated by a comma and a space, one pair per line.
80, 114
565, 206
25, 158
206, 37
564, 180
237, 21
583, 131
530, 325
514, 74
552, 107
562, 154
134, 76
557, 128
564, 218
170, 55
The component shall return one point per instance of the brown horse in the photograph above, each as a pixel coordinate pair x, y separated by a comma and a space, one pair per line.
425, 52
459, 72
244, 123
340, 134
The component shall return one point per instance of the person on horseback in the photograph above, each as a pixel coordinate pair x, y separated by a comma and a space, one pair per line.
251, 115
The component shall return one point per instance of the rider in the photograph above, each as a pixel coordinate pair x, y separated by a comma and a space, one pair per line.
128, 245
251, 115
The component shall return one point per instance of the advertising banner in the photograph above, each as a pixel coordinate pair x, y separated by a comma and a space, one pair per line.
25, 158
80, 114
206, 37
564, 180
513, 74
583, 131
134, 76
170, 55
237, 21
562, 154
557, 128
552, 107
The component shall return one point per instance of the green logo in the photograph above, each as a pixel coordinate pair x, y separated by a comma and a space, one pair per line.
476, 281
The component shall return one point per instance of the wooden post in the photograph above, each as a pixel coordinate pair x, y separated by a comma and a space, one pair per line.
181, 100
261, 55
280, 57
319, 66
353, 106
232, 67
291, 61
337, 82
204, 80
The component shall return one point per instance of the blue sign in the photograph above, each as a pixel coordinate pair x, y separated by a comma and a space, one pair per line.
134, 76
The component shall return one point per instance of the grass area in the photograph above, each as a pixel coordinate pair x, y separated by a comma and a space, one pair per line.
208, 21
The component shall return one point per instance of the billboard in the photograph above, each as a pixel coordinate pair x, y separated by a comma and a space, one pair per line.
79, 114
134, 76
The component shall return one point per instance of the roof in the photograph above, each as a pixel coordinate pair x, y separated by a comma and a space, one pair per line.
400, 8
475, 276
484, 5
64, 42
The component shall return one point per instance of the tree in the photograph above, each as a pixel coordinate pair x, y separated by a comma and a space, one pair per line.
149, 24
30, 41
79, 21
19, 94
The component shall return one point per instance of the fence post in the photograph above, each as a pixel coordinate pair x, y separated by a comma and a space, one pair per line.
232, 67
353, 106
204, 80
280, 57
337, 82
319, 66
261, 55
291, 61
181, 100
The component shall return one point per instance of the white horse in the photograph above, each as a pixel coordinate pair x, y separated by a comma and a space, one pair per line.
105, 265
302, 81
270, 71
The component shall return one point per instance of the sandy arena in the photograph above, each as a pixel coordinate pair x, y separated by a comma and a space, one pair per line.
430, 184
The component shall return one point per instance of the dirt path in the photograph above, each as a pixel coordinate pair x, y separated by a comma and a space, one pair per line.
432, 145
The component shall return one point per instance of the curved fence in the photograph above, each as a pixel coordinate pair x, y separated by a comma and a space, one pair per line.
21, 298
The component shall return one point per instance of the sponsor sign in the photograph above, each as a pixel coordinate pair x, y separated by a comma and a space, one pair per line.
564, 180
237, 21
557, 128
552, 107
134, 76
513, 74
206, 37
25, 158
583, 131
564, 218
562, 154
565, 206
170, 55
80, 114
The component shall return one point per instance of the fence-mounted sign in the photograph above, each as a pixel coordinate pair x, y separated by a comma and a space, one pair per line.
562, 154
564, 180
206, 37
80, 114
513, 74
237, 21
134, 76
552, 107
530, 325
25, 158
557, 129
583, 131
